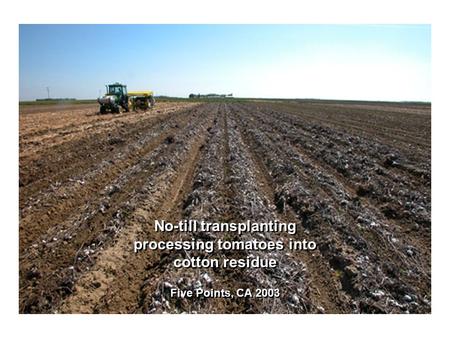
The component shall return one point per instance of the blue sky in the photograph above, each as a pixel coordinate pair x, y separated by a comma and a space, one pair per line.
366, 62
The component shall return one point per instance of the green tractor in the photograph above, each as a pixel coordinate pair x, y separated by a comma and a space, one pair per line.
115, 99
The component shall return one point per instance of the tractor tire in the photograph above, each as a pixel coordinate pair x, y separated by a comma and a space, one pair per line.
102, 110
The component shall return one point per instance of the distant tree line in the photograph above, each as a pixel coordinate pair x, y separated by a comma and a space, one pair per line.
198, 96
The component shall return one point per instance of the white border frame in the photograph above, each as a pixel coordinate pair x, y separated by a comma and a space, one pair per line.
231, 11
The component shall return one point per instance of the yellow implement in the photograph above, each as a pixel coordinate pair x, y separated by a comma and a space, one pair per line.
141, 99
141, 93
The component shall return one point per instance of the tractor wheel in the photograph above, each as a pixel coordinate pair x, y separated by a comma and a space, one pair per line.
102, 110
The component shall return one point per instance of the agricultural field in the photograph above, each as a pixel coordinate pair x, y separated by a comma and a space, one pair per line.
354, 176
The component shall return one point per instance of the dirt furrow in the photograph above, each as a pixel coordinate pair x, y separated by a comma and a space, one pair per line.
369, 118
118, 272
47, 207
384, 187
353, 238
64, 160
99, 222
325, 287
92, 185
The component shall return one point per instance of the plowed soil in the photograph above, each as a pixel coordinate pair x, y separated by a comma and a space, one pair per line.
355, 177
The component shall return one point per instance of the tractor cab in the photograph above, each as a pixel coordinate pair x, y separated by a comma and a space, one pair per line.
116, 89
